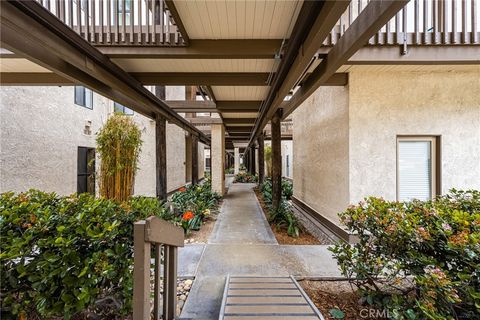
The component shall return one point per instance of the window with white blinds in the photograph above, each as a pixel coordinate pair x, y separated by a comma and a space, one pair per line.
415, 172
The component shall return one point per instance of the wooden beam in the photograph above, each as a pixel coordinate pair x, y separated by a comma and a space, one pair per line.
161, 157
200, 49
229, 121
226, 106
375, 15
239, 129
30, 30
315, 21
33, 79
162, 79
202, 78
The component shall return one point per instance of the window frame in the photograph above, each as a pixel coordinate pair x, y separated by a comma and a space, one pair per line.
87, 97
434, 163
117, 105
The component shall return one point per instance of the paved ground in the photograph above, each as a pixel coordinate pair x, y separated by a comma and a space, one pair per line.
242, 243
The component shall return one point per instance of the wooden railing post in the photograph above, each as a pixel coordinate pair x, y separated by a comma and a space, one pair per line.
170, 282
141, 272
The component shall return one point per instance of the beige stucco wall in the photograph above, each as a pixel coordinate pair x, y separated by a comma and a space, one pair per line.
320, 151
385, 104
41, 130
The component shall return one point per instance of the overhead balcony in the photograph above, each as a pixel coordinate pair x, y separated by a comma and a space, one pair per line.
120, 22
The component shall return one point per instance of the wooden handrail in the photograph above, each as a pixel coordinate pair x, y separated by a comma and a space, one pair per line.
161, 235
420, 22
119, 22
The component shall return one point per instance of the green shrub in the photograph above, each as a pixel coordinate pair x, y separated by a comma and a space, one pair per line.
283, 215
196, 199
418, 260
229, 171
245, 177
64, 255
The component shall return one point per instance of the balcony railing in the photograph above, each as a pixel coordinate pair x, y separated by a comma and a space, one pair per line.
118, 22
421, 22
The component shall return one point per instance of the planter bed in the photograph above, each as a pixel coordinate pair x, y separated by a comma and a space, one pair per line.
202, 235
280, 232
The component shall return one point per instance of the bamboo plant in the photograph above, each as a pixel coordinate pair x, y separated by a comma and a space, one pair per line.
118, 145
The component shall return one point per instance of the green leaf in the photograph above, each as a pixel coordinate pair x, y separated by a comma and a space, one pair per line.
337, 313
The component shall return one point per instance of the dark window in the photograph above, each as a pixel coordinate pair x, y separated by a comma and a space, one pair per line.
117, 107
84, 97
208, 163
86, 170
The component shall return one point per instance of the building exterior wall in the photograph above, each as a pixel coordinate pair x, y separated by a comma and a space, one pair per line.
384, 105
42, 128
345, 139
320, 151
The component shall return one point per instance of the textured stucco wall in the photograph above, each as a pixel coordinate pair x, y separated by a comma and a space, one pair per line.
320, 151
217, 153
384, 105
41, 130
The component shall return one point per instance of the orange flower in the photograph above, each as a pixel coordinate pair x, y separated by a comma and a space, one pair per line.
188, 215
182, 189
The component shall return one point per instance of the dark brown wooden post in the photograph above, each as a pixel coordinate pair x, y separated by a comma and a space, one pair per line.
261, 159
252, 159
161, 157
194, 159
276, 160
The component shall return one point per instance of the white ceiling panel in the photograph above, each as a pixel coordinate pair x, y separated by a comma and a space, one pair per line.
240, 92
20, 65
240, 19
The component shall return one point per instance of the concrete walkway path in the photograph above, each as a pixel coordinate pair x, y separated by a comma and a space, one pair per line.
242, 243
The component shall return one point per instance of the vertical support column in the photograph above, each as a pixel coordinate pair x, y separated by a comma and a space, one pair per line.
169, 283
276, 160
194, 159
188, 158
161, 157
218, 158
141, 273
261, 158
236, 166
253, 160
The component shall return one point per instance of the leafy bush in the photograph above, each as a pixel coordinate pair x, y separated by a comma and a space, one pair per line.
283, 215
418, 260
193, 204
245, 177
64, 255
229, 171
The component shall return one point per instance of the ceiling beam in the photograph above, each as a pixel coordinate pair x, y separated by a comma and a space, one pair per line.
375, 15
229, 121
163, 78
33, 79
315, 21
202, 78
200, 49
227, 106
205, 121
28, 29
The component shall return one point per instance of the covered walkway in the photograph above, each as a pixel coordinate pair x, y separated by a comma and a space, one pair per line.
242, 244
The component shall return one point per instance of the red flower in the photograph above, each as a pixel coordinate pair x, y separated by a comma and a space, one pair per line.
188, 215
182, 189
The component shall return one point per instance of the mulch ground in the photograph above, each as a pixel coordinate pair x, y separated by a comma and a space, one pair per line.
280, 232
328, 295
